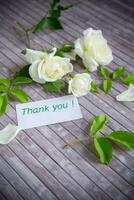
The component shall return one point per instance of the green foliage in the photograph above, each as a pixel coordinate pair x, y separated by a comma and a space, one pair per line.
123, 137
94, 87
104, 149
103, 144
21, 80
56, 86
118, 72
3, 103
98, 123
51, 21
66, 48
3, 89
5, 82
24, 71
86, 71
104, 72
107, 85
40, 25
53, 4
8, 89
19, 94
129, 79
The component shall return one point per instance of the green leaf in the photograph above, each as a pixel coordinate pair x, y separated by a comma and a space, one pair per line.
43, 23
3, 104
54, 2
104, 72
59, 53
65, 7
19, 94
94, 87
129, 79
21, 80
55, 86
98, 123
53, 23
3, 88
24, 71
55, 13
24, 51
107, 85
104, 148
66, 48
86, 71
118, 72
123, 137
5, 82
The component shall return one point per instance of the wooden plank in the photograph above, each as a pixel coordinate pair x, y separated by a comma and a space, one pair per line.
69, 12
117, 113
46, 161
25, 173
47, 142
85, 182
118, 10
18, 184
132, 68
2, 197
47, 131
77, 175
123, 111
69, 15
7, 190
38, 169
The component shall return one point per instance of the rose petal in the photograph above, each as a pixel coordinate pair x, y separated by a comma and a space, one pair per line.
127, 95
68, 64
8, 133
32, 55
71, 55
90, 63
79, 47
88, 31
52, 53
33, 71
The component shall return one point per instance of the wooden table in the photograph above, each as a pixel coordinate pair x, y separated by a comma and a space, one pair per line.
34, 165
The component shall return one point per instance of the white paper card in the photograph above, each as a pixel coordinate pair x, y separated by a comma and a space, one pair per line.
47, 112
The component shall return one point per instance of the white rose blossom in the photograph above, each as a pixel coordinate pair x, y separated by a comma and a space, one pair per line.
47, 67
92, 47
80, 84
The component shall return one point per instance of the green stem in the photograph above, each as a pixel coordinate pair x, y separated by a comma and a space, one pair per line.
28, 44
28, 40
75, 141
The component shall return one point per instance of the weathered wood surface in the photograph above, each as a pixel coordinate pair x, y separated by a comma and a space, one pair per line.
34, 165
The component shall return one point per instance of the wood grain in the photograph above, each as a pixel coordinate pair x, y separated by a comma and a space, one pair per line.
34, 165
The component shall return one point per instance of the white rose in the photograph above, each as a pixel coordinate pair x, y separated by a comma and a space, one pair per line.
92, 47
47, 67
80, 84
